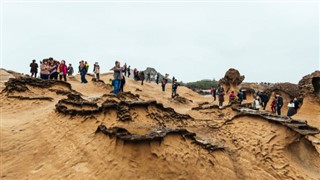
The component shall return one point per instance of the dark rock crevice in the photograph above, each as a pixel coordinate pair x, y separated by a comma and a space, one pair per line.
155, 135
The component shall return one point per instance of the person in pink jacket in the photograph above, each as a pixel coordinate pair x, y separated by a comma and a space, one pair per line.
63, 70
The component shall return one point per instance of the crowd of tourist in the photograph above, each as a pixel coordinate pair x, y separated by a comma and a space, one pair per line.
260, 101
53, 69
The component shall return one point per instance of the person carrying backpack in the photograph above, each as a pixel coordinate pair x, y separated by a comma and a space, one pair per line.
240, 96
174, 88
70, 70
96, 70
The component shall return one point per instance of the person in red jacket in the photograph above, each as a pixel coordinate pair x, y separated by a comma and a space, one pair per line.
63, 70
232, 97
213, 93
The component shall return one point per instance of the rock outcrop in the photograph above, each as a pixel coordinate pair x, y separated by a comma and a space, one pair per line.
310, 84
291, 89
232, 78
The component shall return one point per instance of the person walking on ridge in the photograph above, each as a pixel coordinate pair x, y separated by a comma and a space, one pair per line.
279, 103
83, 72
117, 77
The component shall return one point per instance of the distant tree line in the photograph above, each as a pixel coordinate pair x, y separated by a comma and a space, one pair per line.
201, 85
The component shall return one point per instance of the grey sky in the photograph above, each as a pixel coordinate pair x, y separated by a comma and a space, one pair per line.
265, 41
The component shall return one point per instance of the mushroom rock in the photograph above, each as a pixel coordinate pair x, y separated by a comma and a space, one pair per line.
232, 78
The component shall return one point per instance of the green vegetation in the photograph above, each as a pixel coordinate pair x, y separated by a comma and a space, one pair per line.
202, 85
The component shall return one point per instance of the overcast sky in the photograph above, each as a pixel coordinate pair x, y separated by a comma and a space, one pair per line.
265, 41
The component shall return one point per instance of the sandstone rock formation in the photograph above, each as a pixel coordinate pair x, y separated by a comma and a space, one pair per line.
310, 84
291, 89
232, 78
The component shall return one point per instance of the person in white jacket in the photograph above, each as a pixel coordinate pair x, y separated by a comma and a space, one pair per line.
96, 70
256, 103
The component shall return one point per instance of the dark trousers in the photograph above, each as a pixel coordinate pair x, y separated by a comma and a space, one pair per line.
163, 87
54, 75
264, 104
44, 76
33, 74
97, 76
279, 110
64, 77
83, 78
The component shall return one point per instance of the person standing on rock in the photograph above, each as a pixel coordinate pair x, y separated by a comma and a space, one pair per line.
157, 78
117, 77
96, 70
83, 72
44, 70
240, 96
123, 82
163, 84
232, 97
220, 89
125, 69
87, 65
256, 103
264, 99
79, 67
63, 70
148, 77
291, 109
221, 99
141, 76
54, 69
129, 71
174, 88
70, 70
279, 103
213, 92
273, 105
34, 68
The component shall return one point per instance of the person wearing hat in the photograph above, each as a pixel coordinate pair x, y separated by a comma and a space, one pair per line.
96, 70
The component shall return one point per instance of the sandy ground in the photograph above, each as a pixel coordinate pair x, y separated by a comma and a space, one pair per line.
37, 142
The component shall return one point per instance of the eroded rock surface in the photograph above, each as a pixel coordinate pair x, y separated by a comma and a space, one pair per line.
310, 84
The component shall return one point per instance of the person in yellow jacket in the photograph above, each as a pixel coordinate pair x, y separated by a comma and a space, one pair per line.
87, 65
